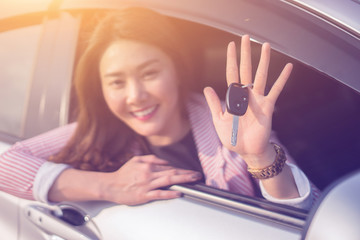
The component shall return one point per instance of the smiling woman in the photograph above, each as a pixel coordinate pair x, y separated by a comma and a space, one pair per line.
140, 87
106, 56
135, 113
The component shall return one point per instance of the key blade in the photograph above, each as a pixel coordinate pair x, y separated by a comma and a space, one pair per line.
234, 132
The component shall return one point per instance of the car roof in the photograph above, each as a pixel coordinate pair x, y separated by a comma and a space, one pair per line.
342, 12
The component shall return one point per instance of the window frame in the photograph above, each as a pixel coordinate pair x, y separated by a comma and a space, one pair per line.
52, 73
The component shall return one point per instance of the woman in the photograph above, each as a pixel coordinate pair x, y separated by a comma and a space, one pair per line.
139, 130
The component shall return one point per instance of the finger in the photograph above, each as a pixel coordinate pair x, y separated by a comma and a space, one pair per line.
280, 83
232, 72
176, 171
213, 102
168, 180
262, 70
160, 168
162, 194
245, 61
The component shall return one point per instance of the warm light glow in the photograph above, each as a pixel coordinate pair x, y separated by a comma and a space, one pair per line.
10, 8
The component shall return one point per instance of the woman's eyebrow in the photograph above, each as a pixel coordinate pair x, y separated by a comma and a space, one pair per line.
147, 63
113, 74
140, 67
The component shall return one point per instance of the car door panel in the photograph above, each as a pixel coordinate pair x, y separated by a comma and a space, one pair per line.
9, 216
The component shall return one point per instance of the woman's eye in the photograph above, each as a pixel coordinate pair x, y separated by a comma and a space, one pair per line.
117, 83
151, 74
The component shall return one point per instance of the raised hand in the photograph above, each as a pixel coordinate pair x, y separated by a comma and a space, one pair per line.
255, 126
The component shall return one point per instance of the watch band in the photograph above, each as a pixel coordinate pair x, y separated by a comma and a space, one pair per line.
274, 169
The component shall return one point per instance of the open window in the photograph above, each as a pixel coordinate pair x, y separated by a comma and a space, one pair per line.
315, 116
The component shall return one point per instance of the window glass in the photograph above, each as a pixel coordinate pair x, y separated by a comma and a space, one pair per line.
17, 58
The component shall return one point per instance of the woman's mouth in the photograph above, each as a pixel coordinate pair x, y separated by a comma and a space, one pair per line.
145, 114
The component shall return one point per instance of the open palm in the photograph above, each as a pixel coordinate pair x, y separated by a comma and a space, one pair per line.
255, 126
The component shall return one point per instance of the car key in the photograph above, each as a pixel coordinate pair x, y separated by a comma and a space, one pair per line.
237, 101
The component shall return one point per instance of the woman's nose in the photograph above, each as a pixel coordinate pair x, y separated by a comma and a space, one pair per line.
135, 92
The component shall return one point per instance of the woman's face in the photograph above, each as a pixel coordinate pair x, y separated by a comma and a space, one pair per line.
140, 86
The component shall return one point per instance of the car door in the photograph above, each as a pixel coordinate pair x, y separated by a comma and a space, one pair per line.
203, 213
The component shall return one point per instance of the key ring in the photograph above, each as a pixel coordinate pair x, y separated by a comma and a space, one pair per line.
250, 85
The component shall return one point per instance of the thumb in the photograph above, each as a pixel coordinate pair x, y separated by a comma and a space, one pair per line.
213, 102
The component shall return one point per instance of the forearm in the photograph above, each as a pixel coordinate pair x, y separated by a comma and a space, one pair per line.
76, 185
281, 186
20, 165
308, 193
17, 171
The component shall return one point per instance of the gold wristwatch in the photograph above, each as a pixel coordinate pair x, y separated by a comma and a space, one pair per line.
274, 169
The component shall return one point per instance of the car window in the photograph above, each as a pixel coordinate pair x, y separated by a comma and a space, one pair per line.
17, 56
315, 118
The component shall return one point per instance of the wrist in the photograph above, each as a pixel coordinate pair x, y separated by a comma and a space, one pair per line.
262, 159
76, 185
103, 186
271, 170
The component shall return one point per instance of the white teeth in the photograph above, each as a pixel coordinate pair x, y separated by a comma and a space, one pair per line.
145, 112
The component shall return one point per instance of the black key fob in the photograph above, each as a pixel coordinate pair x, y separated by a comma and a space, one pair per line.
237, 99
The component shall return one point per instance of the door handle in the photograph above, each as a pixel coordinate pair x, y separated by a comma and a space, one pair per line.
63, 221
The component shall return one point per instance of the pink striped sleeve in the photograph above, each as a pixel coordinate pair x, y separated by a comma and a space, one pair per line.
19, 165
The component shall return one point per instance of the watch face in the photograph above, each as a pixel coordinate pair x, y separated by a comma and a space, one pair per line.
237, 99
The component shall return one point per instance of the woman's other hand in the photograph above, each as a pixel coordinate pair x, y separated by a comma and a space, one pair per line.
142, 179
